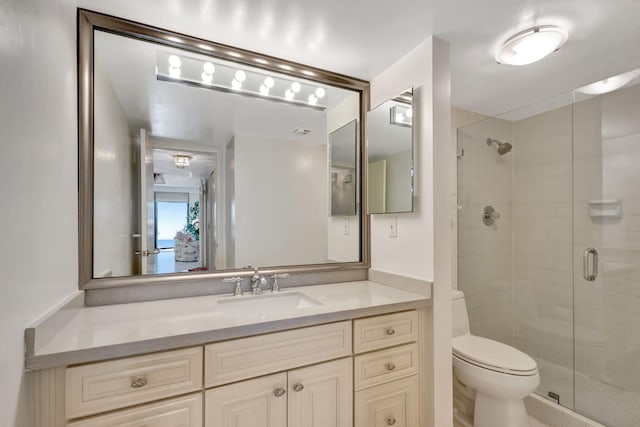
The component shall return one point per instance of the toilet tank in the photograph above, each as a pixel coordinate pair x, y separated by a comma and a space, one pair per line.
460, 317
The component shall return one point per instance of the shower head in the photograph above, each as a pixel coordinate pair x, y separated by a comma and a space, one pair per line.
501, 147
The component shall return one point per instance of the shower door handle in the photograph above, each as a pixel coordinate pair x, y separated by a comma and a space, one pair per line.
590, 274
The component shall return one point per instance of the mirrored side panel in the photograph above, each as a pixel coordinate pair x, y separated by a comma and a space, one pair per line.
390, 156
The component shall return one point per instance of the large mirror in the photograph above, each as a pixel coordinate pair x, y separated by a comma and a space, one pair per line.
390, 156
205, 159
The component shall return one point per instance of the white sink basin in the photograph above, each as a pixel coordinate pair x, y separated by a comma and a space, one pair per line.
268, 302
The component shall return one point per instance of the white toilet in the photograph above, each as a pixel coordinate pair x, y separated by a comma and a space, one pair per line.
501, 375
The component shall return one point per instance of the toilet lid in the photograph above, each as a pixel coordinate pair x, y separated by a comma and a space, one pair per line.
493, 355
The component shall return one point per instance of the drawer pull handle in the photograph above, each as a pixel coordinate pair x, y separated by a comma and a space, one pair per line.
298, 387
390, 331
390, 366
138, 382
391, 421
279, 392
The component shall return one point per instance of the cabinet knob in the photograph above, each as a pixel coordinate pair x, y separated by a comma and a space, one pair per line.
390, 331
138, 382
391, 421
279, 392
298, 387
390, 366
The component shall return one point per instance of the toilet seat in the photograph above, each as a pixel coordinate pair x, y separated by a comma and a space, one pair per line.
493, 355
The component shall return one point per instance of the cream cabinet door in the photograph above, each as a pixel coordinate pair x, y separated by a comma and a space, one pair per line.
391, 404
322, 395
260, 402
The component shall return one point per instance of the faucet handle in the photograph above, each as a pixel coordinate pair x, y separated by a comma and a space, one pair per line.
238, 282
275, 288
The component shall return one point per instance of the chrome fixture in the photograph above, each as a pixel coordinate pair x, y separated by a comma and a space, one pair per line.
489, 215
590, 276
501, 147
275, 288
257, 281
401, 115
238, 281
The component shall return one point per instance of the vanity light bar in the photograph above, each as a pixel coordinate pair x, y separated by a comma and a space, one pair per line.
230, 78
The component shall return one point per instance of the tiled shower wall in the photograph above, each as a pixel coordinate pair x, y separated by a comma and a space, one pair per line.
485, 252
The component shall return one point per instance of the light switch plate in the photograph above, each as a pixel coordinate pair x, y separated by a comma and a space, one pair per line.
393, 227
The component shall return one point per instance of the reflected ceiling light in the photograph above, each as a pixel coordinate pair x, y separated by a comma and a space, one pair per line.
261, 61
610, 84
207, 74
241, 76
285, 67
234, 54
239, 79
531, 45
205, 47
401, 115
288, 95
308, 73
182, 160
174, 66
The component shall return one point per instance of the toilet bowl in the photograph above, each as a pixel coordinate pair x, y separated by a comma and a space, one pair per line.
501, 375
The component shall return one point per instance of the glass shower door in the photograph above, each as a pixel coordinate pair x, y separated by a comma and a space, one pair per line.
606, 222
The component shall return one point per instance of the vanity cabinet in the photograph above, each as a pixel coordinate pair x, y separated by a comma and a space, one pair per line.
364, 372
315, 396
386, 375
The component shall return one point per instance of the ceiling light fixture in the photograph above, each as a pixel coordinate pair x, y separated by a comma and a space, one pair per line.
610, 84
531, 45
182, 161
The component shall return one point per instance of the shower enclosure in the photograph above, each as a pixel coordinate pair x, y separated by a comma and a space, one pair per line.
555, 272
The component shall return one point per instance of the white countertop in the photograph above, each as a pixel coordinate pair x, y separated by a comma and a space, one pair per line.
104, 332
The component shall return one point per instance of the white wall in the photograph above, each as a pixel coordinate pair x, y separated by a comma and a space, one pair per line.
283, 184
114, 178
38, 171
422, 248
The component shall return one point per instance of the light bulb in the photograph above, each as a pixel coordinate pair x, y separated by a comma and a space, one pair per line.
241, 76
174, 61
207, 78
209, 68
174, 72
312, 99
236, 85
289, 95
269, 82
264, 91
295, 86
409, 113
320, 92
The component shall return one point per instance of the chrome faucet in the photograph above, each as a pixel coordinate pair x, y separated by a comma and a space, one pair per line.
257, 281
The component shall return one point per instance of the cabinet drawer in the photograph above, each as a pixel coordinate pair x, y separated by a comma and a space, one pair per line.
182, 411
100, 387
385, 331
392, 404
244, 358
385, 365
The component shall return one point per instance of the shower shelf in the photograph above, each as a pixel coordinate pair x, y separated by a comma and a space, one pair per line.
611, 208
